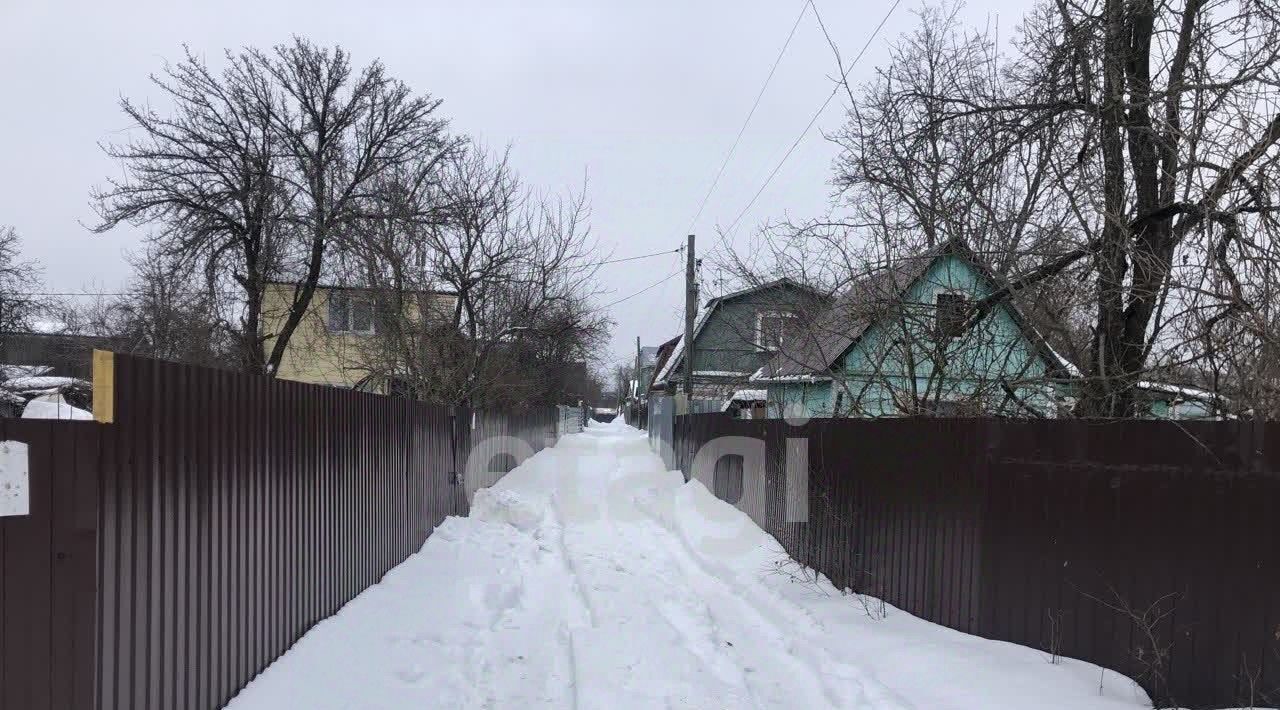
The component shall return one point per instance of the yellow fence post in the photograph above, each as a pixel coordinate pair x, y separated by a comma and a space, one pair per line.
104, 386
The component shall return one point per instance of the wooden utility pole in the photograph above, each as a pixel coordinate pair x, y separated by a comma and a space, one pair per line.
639, 384
690, 312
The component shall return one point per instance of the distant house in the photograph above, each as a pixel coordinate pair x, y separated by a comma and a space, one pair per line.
648, 368
30, 391
637, 388
734, 336
333, 343
660, 358
908, 339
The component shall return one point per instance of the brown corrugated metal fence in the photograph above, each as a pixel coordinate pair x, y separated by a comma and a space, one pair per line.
1055, 534
171, 555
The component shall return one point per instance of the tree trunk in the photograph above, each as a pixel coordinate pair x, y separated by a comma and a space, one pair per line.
1104, 392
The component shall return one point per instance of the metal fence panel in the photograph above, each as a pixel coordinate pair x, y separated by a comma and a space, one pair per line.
661, 420
1056, 534
170, 556
500, 441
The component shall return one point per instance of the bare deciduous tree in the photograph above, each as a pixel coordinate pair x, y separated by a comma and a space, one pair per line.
19, 280
261, 167
1117, 171
514, 267
160, 315
1168, 112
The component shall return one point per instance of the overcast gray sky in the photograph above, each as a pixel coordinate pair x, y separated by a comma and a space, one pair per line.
643, 98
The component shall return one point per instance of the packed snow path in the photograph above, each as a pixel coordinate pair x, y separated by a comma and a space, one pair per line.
589, 577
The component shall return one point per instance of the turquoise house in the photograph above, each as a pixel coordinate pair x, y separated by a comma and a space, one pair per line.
911, 339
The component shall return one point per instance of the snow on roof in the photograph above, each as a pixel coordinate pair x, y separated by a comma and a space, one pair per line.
751, 395
793, 378
678, 350
8, 372
53, 406
47, 326
760, 376
42, 382
1067, 365
1191, 392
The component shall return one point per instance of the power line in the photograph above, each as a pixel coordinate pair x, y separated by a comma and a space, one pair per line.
650, 287
831, 43
843, 78
716, 181
642, 256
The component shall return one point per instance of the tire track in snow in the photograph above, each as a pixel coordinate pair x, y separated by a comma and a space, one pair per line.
805, 647
701, 610
762, 643
584, 614
524, 656
652, 643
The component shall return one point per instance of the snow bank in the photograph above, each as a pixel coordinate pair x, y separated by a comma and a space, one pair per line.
506, 507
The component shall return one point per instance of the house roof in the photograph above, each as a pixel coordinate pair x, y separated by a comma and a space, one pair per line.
841, 326
1177, 391
660, 361
776, 283
649, 355
704, 315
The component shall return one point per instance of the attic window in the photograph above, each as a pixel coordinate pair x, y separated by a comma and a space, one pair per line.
774, 329
350, 314
952, 312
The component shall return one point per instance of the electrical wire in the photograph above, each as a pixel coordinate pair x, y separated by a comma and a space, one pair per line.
843, 78
719, 173
642, 256
650, 287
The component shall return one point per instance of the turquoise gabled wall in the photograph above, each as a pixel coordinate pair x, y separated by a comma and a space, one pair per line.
809, 399
895, 361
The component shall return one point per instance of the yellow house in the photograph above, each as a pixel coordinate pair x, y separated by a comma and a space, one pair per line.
333, 343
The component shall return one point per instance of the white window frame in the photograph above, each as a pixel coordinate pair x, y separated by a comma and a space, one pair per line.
351, 300
760, 316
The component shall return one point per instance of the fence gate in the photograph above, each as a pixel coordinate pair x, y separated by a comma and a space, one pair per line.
568, 420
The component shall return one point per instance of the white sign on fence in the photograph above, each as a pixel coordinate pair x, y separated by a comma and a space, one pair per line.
15, 489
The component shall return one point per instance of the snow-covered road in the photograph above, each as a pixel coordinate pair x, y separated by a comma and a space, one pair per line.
589, 577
